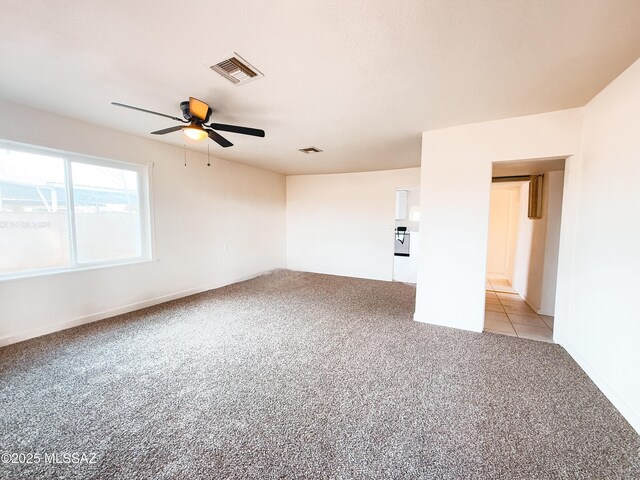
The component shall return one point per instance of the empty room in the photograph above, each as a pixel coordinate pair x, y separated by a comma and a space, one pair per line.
320, 239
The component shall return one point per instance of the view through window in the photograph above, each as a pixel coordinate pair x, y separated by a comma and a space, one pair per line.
61, 211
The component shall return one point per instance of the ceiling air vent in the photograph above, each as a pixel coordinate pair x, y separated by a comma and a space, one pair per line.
310, 150
236, 69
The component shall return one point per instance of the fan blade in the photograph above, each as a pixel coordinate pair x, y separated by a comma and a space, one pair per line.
167, 130
236, 129
148, 111
219, 139
199, 109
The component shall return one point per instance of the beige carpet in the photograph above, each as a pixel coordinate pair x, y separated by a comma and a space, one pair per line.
303, 376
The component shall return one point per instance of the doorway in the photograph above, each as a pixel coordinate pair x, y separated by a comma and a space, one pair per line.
523, 244
406, 235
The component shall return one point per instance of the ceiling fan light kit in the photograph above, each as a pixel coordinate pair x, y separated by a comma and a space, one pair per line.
196, 114
195, 132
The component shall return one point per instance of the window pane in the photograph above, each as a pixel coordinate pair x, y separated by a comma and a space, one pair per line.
107, 216
34, 232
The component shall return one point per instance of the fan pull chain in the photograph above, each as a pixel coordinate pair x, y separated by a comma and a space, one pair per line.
184, 147
208, 161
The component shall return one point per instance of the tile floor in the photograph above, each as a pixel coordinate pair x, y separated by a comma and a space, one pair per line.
507, 313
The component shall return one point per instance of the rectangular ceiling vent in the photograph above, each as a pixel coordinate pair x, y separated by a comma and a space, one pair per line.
236, 69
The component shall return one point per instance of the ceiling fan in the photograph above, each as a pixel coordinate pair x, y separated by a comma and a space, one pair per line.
196, 114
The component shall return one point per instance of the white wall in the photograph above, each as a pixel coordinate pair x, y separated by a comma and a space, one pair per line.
343, 224
503, 229
536, 253
528, 261
602, 329
597, 308
455, 192
213, 226
512, 236
553, 211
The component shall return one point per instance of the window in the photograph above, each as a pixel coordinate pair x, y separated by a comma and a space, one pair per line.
61, 211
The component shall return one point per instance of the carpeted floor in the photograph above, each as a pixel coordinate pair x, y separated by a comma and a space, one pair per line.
297, 375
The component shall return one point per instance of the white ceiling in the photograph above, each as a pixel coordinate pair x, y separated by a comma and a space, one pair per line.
358, 79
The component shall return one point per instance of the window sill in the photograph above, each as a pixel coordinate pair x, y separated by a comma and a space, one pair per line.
85, 268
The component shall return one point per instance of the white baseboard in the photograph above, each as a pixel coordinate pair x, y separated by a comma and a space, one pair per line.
627, 412
94, 317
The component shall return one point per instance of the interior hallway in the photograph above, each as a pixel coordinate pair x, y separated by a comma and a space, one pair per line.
506, 313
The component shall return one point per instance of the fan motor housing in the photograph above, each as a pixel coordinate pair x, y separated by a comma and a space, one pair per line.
184, 106
186, 113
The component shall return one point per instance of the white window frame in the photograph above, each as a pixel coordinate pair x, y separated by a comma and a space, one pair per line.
145, 207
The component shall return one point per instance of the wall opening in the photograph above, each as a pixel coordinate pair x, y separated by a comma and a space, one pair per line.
522, 248
406, 235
